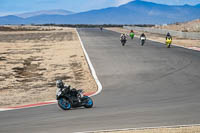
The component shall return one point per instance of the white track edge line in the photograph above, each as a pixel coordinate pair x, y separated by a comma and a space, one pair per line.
99, 88
140, 128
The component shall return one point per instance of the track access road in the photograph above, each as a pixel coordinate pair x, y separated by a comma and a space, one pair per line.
143, 86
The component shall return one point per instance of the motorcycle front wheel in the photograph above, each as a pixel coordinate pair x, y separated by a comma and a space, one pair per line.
64, 104
123, 43
142, 42
169, 45
89, 103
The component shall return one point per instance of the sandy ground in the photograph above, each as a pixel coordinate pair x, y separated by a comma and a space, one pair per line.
192, 129
191, 26
161, 38
31, 62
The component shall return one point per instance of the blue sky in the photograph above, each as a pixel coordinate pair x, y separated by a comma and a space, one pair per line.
20, 6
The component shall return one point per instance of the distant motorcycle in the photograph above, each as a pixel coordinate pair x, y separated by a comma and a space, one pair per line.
72, 99
142, 39
123, 39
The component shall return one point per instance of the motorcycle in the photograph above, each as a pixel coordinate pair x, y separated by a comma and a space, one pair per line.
168, 42
142, 39
72, 99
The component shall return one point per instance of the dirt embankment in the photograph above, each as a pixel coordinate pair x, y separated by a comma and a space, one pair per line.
191, 26
31, 62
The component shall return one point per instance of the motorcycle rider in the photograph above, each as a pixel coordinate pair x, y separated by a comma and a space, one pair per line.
67, 88
123, 38
168, 36
168, 40
60, 85
101, 28
131, 34
142, 37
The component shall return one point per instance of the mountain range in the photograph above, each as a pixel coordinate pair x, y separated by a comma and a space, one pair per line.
135, 12
44, 12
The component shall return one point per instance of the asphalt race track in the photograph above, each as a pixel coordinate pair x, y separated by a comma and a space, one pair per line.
143, 86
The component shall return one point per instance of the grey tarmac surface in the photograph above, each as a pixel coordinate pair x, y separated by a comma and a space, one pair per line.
143, 86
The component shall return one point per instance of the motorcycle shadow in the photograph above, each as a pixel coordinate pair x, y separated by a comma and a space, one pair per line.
77, 108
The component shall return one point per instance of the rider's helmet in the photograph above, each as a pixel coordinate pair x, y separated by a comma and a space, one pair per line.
168, 34
59, 84
142, 34
131, 30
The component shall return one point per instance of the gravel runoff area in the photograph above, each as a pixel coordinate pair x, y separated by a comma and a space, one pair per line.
161, 38
191, 129
32, 59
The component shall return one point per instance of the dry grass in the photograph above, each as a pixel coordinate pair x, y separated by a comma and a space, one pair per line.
192, 129
31, 62
26, 28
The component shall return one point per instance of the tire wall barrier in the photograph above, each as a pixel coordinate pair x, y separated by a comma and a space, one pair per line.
189, 35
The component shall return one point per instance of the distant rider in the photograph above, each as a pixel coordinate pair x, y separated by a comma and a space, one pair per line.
168, 40
142, 36
101, 28
168, 36
123, 37
142, 39
132, 34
